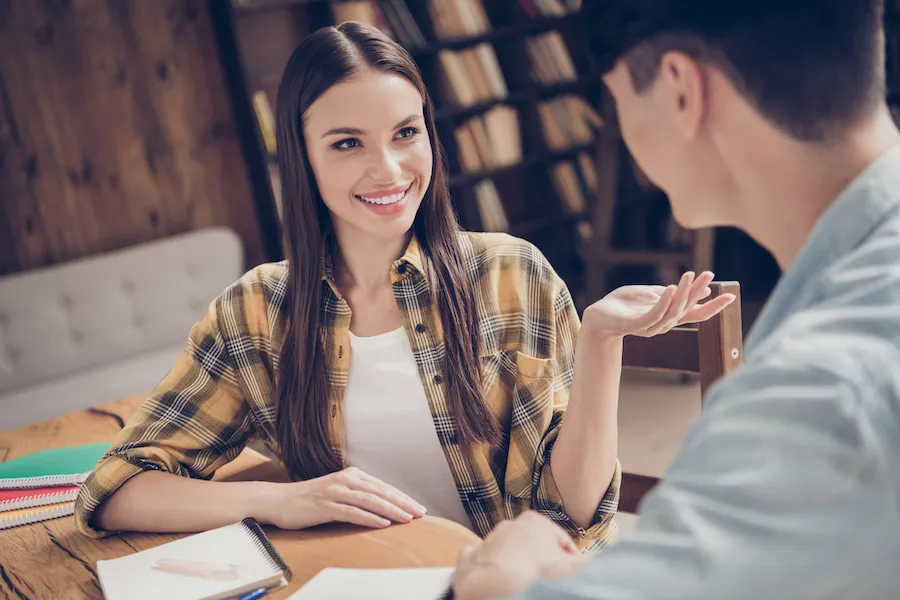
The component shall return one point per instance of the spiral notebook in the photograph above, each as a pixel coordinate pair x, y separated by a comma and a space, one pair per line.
53, 467
218, 564
31, 497
24, 516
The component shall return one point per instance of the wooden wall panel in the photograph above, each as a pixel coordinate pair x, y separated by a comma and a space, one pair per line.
115, 128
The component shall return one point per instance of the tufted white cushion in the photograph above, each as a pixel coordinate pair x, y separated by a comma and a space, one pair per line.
92, 330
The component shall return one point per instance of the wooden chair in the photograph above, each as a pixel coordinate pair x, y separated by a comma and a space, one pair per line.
711, 350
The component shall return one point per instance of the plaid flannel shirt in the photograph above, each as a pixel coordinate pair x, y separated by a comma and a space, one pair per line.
219, 394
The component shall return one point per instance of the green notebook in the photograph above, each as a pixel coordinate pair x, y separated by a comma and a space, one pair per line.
57, 466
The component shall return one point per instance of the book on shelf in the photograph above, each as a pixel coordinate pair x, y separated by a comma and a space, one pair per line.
472, 75
467, 148
455, 19
549, 8
490, 207
565, 181
402, 23
550, 59
568, 121
575, 182
490, 140
266, 120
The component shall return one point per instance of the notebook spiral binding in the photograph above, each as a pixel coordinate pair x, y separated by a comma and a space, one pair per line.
262, 542
38, 514
22, 483
37, 501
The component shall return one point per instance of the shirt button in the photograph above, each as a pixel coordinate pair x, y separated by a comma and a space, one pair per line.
401, 268
420, 328
438, 379
473, 497
340, 352
333, 410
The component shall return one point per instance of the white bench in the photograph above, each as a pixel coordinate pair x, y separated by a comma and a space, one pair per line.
94, 330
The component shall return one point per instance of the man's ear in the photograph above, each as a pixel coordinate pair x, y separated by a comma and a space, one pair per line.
682, 88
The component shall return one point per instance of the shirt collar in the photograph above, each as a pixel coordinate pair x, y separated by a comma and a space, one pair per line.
846, 223
412, 257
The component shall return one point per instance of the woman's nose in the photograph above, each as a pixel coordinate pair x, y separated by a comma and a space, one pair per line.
385, 166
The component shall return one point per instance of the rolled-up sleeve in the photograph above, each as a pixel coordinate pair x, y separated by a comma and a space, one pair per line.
547, 499
195, 421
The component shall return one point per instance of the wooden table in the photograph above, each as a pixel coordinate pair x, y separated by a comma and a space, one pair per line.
52, 560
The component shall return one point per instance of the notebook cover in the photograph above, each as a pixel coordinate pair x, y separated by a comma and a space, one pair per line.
216, 564
57, 466
30, 497
24, 516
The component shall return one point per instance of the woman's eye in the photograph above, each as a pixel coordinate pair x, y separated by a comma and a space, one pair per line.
347, 144
407, 133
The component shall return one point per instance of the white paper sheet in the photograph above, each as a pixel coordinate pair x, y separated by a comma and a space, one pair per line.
376, 584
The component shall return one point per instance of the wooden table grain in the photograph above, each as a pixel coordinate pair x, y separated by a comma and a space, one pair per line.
52, 560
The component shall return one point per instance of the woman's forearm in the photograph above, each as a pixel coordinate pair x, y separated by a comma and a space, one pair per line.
164, 503
584, 455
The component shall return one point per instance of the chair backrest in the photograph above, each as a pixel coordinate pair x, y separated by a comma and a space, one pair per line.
711, 350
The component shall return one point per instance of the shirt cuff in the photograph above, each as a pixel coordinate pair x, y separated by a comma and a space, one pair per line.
548, 501
109, 475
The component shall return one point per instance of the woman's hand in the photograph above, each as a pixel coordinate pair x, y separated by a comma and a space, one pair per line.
646, 311
348, 496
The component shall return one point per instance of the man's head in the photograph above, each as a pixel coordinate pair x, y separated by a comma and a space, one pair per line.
703, 84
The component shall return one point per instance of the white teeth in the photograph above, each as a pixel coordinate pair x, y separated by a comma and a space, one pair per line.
384, 199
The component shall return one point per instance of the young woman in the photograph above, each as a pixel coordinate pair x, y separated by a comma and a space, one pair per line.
395, 364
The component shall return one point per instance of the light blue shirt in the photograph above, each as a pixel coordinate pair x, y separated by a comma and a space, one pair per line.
788, 486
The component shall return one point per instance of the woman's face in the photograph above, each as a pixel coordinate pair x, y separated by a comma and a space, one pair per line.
370, 153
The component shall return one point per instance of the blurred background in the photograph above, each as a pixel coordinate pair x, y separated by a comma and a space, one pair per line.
128, 128
125, 121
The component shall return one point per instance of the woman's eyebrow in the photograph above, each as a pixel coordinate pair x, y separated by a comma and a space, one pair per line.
355, 131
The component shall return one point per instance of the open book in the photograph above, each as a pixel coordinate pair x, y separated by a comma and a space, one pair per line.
221, 563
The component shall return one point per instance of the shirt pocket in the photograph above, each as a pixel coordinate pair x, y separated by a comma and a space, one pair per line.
519, 390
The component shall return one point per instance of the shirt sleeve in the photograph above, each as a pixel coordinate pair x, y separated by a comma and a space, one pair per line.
547, 499
195, 421
787, 487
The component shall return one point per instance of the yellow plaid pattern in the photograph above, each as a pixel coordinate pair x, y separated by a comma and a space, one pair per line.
219, 394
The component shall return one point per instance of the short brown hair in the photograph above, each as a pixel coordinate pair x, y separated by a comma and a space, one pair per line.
812, 67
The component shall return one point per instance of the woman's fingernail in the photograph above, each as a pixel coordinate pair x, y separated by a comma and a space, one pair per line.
421, 508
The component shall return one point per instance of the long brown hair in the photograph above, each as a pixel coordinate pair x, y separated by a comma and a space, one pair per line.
303, 419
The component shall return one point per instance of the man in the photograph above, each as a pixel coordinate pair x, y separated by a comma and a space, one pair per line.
768, 115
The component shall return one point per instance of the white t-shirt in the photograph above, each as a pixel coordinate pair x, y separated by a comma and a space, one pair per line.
388, 428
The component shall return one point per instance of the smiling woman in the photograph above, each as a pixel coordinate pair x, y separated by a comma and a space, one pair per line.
393, 362
381, 164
